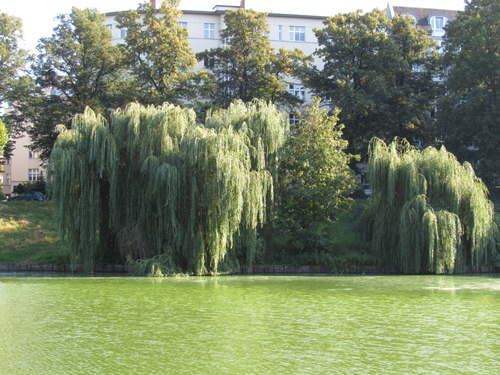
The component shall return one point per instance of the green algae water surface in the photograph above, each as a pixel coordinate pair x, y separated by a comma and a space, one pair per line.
250, 325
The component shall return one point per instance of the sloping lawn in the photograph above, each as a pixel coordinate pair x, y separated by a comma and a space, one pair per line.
27, 233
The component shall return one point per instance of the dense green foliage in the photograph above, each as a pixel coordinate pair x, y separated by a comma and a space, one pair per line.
39, 185
428, 213
12, 57
76, 68
157, 54
12, 62
187, 191
470, 111
247, 67
316, 182
4, 136
368, 74
152, 186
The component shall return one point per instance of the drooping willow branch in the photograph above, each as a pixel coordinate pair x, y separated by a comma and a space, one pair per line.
428, 213
189, 189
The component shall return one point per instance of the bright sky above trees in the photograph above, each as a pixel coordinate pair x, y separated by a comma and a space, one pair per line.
38, 16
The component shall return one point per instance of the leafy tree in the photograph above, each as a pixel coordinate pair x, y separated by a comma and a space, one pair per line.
368, 74
315, 178
76, 68
248, 67
428, 213
158, 55
4, 136
12, 57
192, 196
12, 62
469, 113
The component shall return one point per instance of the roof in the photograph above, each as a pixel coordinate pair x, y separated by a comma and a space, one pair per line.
422, 14
221, 11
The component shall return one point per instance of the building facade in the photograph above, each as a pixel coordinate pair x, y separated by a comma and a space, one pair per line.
287, 31
433, 21
23, 166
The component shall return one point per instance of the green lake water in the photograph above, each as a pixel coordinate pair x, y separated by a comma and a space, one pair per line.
250, 325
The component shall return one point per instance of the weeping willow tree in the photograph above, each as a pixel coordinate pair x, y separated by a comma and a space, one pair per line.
154, 184
428, 213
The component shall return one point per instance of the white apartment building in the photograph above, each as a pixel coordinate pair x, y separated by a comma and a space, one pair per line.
433, 21
285, 31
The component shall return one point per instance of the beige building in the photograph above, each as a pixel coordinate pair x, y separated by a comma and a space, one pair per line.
23, 166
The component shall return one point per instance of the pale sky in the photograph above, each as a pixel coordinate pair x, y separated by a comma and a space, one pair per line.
38, 15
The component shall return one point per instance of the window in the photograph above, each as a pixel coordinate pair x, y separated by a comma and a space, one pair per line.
297, 33
33, 174
210, 31
8, 179
438, 23
280, 32
209, 62
183, 24
123, 33
297, 90
33, 154
293, 118
110, 27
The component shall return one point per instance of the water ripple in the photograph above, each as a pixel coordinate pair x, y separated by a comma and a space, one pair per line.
250, 325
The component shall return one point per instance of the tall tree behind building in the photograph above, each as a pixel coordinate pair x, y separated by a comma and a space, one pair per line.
12, 61
469, 114
76, 68
369, 75
12, 57
248, 67
157, 54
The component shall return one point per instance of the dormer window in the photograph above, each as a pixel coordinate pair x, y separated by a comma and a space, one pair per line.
411, 16
438, 23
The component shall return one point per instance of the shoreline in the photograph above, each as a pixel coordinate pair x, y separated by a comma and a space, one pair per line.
257, 270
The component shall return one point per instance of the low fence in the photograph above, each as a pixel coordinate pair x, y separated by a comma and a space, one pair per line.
256, 270
261, 269
66, 268
359, 270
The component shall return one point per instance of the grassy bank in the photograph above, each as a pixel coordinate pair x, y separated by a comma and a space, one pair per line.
28, 236
27, 233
